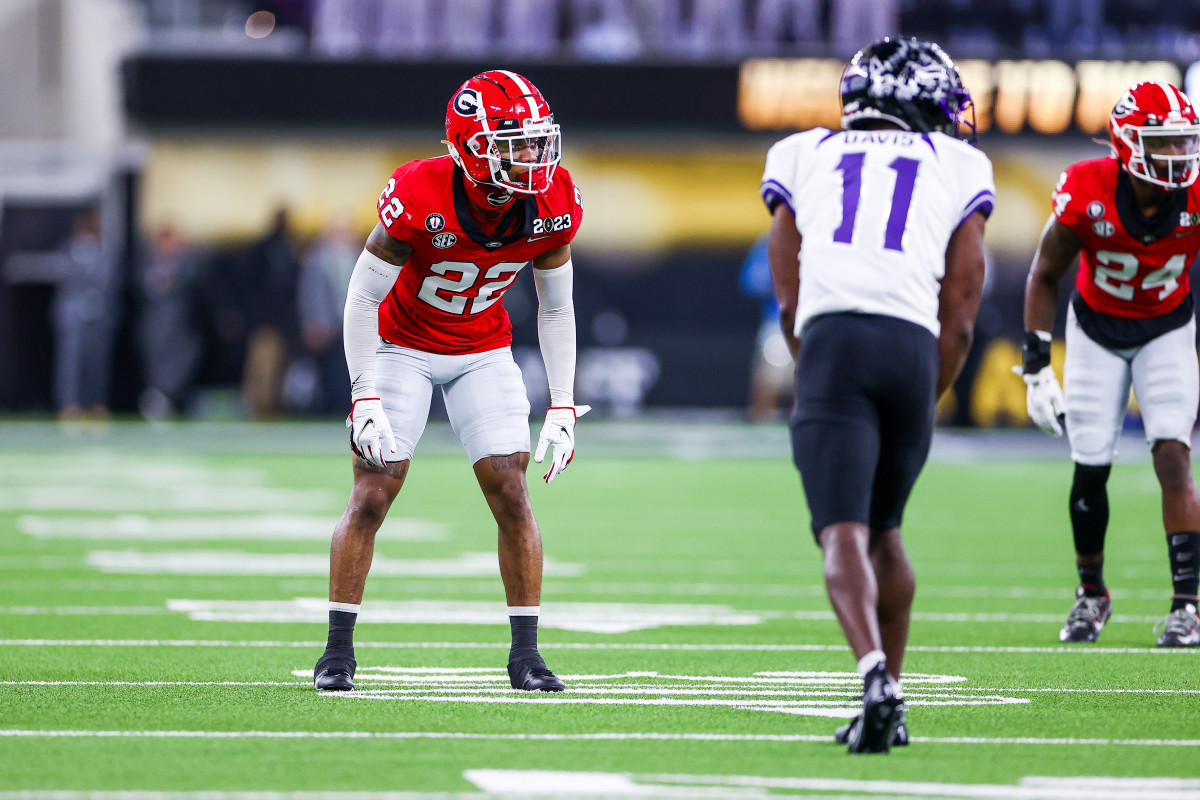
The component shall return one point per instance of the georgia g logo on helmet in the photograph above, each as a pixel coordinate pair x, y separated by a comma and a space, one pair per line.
467, 103
1125, 105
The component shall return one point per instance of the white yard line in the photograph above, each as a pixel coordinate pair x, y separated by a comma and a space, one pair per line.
505, 784
60, 794
583, 617
540, 783
256, 527
83, 611
566, 737
370, 684
618, 646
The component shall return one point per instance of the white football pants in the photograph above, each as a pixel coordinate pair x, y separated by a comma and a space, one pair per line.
485, 399
1096, 381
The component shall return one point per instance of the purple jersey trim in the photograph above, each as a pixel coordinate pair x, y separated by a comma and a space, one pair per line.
985, 201
827, 137
773, 194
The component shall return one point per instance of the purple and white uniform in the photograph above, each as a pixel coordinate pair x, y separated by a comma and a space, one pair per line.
876, 210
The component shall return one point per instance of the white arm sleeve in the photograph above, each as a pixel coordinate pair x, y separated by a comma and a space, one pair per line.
370, 282
556, 330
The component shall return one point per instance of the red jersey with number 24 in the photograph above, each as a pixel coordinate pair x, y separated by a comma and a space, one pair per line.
1119, 274
449, 296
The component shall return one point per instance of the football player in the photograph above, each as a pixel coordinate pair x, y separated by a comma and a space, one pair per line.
1135, 217
876, 250
425, 310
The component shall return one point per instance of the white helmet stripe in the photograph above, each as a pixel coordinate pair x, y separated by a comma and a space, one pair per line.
535, 114
1169, 91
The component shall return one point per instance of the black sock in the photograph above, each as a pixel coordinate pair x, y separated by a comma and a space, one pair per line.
1089, 522
341, 630
1184, 552
1091, 578
524, 636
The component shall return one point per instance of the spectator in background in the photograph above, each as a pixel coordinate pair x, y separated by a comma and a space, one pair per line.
852, 22
84, 315
529, 27
406, 28
321, 299
772, 365
167, 333
269, 273
774, 20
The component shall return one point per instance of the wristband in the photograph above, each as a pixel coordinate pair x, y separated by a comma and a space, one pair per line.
1035, 353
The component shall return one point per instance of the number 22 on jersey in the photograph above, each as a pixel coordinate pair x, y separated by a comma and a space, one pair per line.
446, 289
851, 167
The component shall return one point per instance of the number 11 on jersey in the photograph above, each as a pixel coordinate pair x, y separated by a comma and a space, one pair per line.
906, 177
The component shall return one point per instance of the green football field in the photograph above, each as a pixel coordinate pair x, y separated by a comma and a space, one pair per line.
163, 601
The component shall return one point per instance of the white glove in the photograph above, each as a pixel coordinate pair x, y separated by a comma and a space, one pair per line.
1044, 400
370, 432
559, 430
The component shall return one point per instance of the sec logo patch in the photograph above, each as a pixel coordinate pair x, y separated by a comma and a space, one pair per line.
1104, 228
444, 240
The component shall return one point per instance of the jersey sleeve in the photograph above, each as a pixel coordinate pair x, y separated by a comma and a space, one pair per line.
392, 205
779, 175
561, 213
977, 187
575, 203
1069, 199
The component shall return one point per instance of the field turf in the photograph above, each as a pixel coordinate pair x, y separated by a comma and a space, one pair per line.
162, 604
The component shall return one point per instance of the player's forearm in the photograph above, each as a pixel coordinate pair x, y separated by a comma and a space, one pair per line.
953, 346
787, 323
556, 330
370, 282
1041, 302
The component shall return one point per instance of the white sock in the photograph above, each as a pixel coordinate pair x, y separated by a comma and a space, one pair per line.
352, 608
870, 661
524, 611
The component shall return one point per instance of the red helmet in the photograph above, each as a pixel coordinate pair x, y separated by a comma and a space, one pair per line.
500, 131
1156, 134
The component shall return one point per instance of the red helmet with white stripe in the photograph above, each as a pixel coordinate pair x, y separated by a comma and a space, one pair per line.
500, 131
1156, 134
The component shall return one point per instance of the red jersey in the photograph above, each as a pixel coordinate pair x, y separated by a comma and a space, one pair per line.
449, 296
1131, 267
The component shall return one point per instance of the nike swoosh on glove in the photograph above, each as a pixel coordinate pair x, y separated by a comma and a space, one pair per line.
370, 432
559, 431
1044, 400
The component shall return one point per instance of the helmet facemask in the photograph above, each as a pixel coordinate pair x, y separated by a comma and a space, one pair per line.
521, 159
1166, 156
960, 110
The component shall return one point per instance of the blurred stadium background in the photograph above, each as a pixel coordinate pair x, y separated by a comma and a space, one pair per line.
232, 151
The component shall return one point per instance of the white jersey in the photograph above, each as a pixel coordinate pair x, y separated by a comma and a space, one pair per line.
875, 210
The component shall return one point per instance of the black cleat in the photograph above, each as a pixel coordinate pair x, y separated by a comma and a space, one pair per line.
883, 712
529, 673
1086, 619
334, 672
899, 738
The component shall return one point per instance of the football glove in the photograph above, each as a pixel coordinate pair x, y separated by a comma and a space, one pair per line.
370, 432
559, 431
1044, 400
